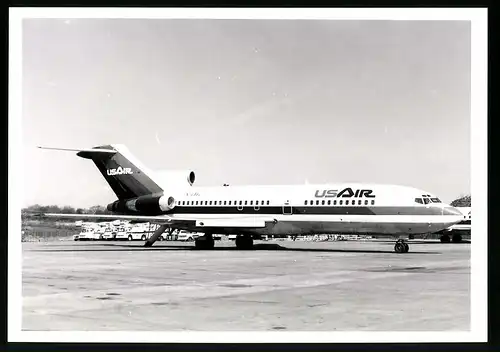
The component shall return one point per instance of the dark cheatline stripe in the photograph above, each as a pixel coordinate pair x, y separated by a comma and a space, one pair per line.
307, 210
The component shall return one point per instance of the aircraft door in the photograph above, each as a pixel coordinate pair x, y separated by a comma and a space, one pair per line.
287, 208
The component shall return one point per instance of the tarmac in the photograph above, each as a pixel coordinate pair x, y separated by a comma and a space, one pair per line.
281, 285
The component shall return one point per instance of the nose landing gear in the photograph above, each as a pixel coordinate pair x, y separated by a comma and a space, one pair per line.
401, 246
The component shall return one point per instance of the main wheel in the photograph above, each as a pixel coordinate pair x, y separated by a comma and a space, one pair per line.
244, 242
204, 243
143, 238
407, 248
399, 247
457, 238
445, 239
130, 237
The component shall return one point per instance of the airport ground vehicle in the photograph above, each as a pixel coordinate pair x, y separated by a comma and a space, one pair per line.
139, 231
88, 233
186, 236
107, 233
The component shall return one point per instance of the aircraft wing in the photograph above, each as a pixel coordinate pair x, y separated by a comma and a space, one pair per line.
174, 220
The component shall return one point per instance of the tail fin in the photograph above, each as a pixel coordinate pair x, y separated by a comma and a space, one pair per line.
126, 176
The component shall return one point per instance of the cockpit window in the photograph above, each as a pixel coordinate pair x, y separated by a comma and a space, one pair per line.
419, 200
435, 200
426, 200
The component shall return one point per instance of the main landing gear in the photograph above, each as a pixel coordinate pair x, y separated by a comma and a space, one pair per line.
244, 242
401, 246
204, 242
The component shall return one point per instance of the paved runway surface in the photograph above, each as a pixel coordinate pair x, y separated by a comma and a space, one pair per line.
286, 285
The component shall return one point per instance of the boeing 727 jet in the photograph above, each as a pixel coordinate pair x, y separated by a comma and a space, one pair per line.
171, 200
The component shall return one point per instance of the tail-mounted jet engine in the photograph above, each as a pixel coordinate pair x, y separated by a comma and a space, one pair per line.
148, 205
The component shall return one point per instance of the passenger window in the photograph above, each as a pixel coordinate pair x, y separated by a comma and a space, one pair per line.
322, 202
240, 202
229, 202
366, 201
196, 202
334, 202
225, 202
245, 202
251, 202
418, 200
373, 202
359, 202
329, 202
340, 202
267, 202
305, 202
317, 202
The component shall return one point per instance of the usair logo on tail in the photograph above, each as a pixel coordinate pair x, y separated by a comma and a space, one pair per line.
120, 171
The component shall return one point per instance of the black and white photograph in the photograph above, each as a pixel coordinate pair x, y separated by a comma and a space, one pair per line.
247, 175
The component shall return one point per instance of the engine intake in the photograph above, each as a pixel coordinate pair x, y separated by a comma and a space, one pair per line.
166, 203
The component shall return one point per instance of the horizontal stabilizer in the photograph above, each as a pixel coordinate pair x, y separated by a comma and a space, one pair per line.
108, 151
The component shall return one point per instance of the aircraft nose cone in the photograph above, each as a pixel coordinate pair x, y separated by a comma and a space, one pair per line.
449, 210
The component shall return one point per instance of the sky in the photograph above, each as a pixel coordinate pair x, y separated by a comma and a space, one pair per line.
247, 102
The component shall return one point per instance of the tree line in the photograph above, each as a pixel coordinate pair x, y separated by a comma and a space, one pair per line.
463, 201
37, 208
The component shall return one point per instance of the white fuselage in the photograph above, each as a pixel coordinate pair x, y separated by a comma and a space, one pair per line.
315, 209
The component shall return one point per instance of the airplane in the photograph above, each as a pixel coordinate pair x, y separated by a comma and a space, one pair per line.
170, 200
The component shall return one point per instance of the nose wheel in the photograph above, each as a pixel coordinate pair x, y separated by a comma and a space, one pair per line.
401, 246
